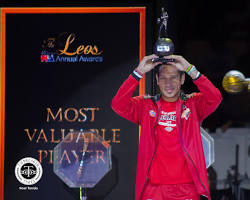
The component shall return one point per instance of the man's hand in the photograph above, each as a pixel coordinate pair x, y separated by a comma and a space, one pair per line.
182, 64
146, 64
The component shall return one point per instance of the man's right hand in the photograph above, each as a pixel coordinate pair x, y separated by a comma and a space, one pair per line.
146, 64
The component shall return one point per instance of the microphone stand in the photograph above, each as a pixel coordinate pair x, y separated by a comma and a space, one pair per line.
236, 181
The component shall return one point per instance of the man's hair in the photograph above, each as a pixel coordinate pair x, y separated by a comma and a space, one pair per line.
160, 66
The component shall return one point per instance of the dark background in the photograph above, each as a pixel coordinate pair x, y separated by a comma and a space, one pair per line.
212, 35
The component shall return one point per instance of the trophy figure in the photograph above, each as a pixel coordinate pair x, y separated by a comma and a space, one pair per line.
164, 45
235, 82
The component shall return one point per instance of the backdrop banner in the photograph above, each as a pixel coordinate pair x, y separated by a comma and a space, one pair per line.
60, 68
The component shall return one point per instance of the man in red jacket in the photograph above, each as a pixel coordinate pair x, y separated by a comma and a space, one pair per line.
171, 163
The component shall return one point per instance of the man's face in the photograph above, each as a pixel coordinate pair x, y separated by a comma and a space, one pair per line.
169, 82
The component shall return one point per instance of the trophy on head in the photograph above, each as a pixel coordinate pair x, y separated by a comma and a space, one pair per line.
164, 45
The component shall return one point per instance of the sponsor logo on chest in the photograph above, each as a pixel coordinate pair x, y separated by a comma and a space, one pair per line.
152, 113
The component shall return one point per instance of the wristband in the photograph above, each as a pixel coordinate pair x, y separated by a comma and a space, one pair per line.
198, 75
137, 73
189, 67
191, 70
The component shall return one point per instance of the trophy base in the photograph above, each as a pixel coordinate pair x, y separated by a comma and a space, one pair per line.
163, 60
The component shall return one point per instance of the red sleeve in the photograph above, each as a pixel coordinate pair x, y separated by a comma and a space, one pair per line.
124, 104
208, 99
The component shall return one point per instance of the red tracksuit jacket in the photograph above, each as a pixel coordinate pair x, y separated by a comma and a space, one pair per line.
144, 111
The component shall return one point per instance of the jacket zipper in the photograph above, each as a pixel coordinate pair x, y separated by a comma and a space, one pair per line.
157, 117
184, 149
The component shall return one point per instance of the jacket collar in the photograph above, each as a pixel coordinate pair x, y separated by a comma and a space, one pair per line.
183, 97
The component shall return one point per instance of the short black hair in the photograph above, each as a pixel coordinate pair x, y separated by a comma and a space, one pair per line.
157, 70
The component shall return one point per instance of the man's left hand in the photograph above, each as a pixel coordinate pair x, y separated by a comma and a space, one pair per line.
180, 63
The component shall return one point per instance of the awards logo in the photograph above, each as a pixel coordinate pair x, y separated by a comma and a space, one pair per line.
64, 49
28, 171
